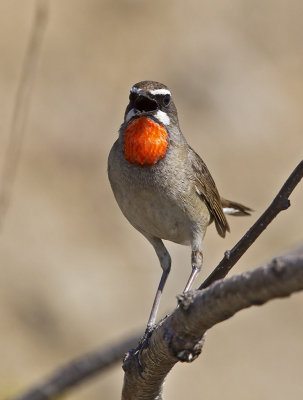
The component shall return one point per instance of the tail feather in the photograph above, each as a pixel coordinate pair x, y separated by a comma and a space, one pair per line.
233, 208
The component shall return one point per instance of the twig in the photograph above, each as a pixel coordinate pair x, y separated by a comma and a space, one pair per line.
78, 370
281, 202
180, 336
21, 106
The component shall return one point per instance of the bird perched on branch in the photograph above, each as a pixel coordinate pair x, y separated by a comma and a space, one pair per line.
161, 184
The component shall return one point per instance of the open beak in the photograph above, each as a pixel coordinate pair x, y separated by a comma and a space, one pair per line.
144, 104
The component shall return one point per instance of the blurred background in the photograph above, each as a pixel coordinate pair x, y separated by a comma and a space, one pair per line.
74, 274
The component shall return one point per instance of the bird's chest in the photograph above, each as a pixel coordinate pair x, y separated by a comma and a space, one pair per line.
151, 197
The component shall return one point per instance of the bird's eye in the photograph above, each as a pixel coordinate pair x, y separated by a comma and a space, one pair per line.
132, 96
166, 100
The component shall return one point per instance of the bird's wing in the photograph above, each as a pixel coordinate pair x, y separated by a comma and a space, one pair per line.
207, 190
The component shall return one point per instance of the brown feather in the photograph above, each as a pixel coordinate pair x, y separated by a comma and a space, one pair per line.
209, 192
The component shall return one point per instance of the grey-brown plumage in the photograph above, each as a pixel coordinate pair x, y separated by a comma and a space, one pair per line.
176, 197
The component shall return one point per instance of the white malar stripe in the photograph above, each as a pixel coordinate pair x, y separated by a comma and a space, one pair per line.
230, 210
133, 112
162, 117
134, 89
159, 91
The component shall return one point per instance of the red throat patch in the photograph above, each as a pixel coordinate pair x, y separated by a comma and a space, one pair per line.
145, 142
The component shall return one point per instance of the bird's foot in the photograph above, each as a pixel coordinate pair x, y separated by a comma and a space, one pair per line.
143, 343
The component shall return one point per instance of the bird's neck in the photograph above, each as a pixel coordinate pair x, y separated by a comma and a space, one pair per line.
145, 142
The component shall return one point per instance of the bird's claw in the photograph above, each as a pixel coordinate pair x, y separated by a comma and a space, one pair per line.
137, 352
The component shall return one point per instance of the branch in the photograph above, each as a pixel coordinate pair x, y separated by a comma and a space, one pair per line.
21, 106
78, 370
180, 336
281, 202
83, 367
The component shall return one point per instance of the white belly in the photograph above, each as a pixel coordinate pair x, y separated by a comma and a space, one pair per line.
154, 214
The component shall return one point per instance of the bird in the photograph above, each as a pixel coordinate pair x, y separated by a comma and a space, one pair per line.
162, 186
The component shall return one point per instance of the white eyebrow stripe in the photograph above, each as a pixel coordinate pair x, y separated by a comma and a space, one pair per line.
134, 89
159, 91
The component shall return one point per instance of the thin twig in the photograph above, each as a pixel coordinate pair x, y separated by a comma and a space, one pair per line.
281, 202
21, 107
78, 370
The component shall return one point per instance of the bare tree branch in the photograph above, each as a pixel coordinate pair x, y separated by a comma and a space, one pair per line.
281, 202
185, 345
21, 106
180, 336
78, 370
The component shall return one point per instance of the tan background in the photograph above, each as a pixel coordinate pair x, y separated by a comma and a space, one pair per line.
74, 274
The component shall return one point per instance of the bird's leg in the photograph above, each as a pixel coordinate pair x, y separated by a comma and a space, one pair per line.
156, 303
165, 262
196, 262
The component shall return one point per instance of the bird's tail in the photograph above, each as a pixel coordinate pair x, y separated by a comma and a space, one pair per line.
233, 208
